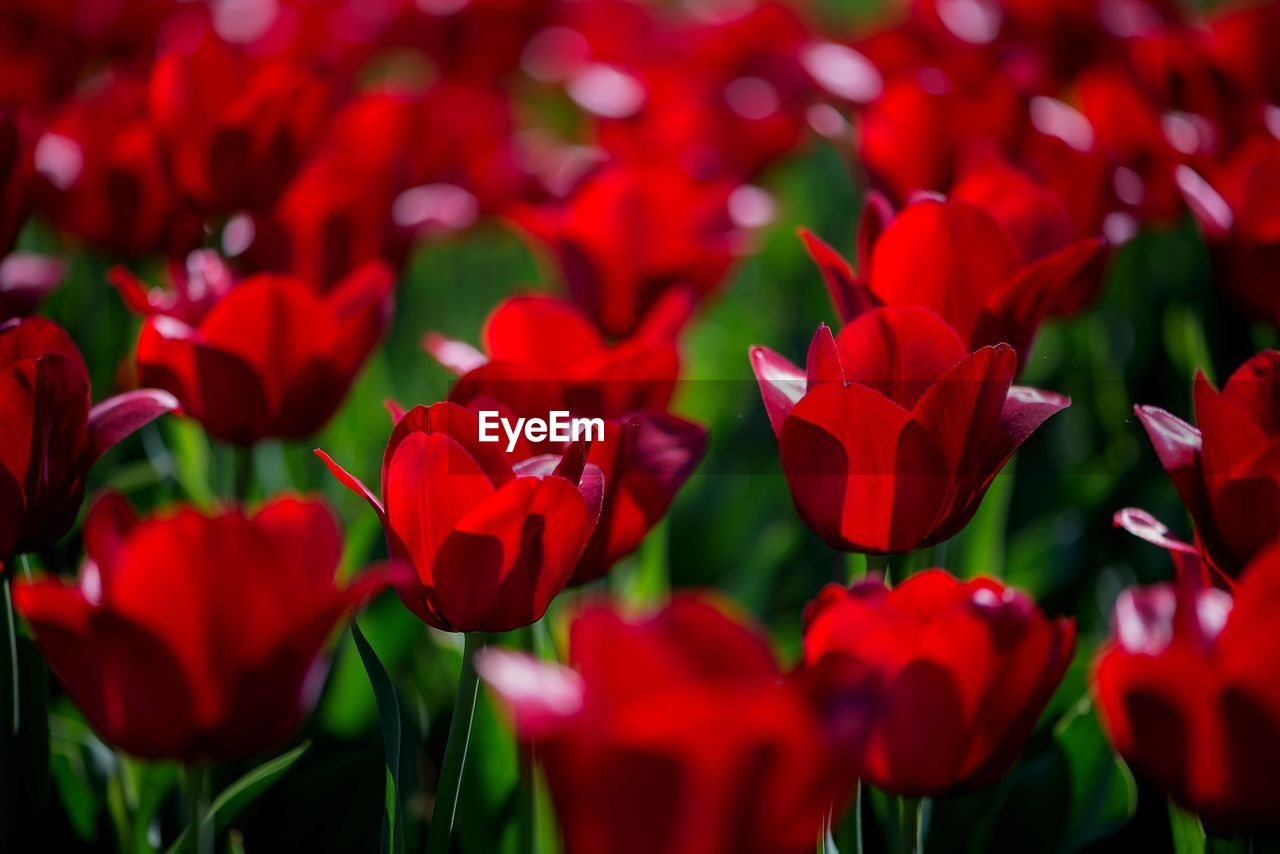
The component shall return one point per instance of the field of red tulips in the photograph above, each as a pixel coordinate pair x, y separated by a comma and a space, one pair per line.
642, 426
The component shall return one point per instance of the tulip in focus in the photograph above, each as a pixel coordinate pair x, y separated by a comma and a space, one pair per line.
491, 544
892, 433
52, 433
960, 671
544, 355
676, 732
196, 637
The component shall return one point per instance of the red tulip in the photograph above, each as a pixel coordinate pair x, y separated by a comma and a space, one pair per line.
893, 432
676, 732
961, 671
1188, 692
100, 173
728, 101
392, 166
491, 543
196, 637
1225, 471
270, 357
51, 433
974, 273
629, 234
233, 128
1237, 205
544, 355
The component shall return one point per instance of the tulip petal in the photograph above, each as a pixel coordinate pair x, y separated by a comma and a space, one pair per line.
457, 356
120, 416
899, 352
353, 483
849, 294
542, 331
541, 696
823, 362
781, 383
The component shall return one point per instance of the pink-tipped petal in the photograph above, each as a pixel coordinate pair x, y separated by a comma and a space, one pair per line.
120, 416
781, 383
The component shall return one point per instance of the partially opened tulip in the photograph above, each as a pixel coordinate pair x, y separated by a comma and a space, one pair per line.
52, 433
960, 672
267, 357
676, 732
962, 262
491, 543
1226, 471
545, 355
629, 234
1189, 692
892, 433
196, 637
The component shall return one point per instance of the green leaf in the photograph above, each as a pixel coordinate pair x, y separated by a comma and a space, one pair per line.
241, 793
389, 719
190, 448
1187, 832
1104, 795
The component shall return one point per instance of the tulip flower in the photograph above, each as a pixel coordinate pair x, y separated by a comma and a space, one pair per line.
270, 357
51, 433
676, 732
629, 234
891, 435
545, 355
99, 173
234, 129
1187, 690
1223, 471
1237, 206
960, 672
196, 637
491, 543
25, 280
975, 274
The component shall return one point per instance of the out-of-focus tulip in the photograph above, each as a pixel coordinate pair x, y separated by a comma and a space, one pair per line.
1189, 692
391, 167
892, 433
728, 99
491, 543
51, 432
1226, 472
1237, 206
100, 173
960, 671
685, 707
25, 280
628, 234
196, 637
544, 355
233, 129
961, 262
270, 357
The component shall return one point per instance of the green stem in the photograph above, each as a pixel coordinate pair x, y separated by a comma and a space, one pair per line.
201, 830
855, 566
118, 808
243, 472
11, 640
527, 791
455, 751
879, 564
913, 830
850, 838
